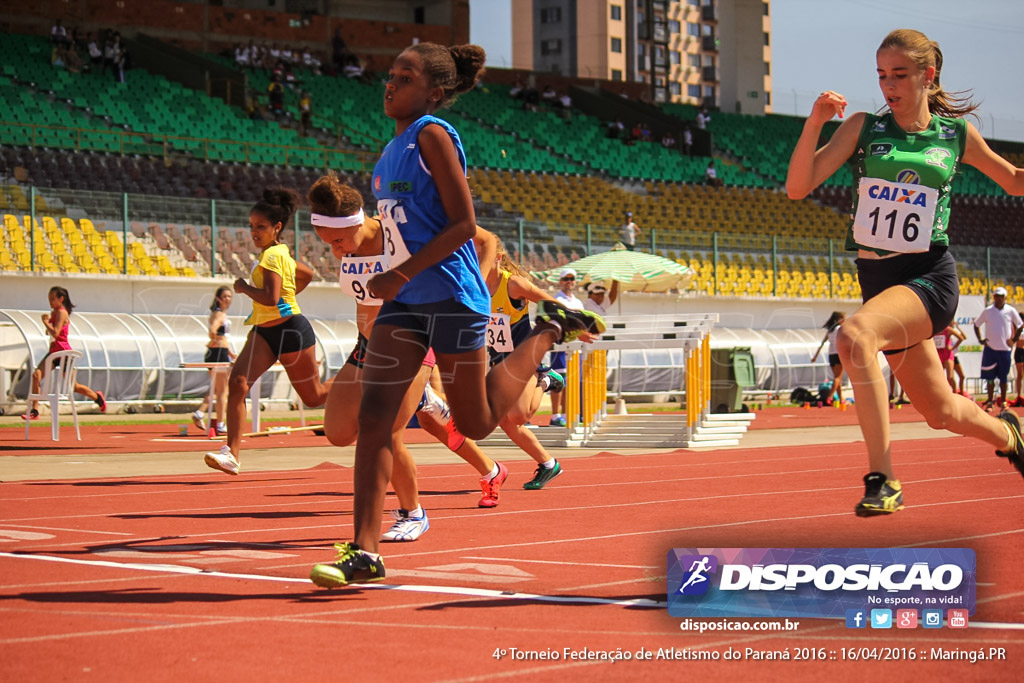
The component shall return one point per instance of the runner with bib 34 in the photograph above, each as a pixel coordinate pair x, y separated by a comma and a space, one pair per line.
903, 163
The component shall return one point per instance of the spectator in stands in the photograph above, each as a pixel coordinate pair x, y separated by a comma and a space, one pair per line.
95, 53
549, 96
629, 232
703, 118
645, 132
305, 112
339, 52
711, 175
596, 292
353, 68
310, 62
910, 287
275, 93
667, 141
1003, 327
120, 58
616, 129
516, 91
58, 33
287, 56
242, 55
688, 140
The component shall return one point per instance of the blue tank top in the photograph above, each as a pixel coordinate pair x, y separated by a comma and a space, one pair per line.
407, 200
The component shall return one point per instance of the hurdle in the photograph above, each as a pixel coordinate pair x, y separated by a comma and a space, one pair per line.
588, 421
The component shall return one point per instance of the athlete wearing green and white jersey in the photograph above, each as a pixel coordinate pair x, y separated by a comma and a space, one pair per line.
907, 275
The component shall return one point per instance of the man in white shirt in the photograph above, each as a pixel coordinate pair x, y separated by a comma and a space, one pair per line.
596, 297
564, 296
629, 232
1003, 326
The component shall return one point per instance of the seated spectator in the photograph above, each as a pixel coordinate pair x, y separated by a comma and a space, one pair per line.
703, 118
352, 68
241, 55
275, 93
517, 88
531, 98
58, 34
305, 113
565, 101
711, 175
95, 53
645, 132
310, 62
667, 141
688, 141
616, 129
549, 95
287, 56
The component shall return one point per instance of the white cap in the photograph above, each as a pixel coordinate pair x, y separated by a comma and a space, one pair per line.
567, 272
999, 291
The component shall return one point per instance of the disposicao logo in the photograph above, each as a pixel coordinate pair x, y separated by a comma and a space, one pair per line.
817, 582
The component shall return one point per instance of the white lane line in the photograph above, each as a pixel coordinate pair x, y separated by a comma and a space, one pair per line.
965, 538
574, 564
57, 528
444, 590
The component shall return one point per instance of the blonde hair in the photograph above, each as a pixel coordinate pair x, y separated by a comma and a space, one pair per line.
925, 53
506, 263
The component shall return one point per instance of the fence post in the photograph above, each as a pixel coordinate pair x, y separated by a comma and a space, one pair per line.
654, 241
522, 246
32, 227
298, 222
124, 228
714, 263
831, 271
213, 237
775, 265
988, 272
590, 237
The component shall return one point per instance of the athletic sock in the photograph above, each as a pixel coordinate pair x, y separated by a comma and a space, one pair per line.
417, 512
548, 464
544, 382
493, 473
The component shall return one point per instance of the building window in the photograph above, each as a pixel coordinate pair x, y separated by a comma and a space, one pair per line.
675, 88
695, 3
766, 9
692, 29
617, 45
768, 99
767, 68
675, 57
709, 91
767, 38
551, 15
552, 46
707, 29
673, 26
694, 61
693, 91
616, 74
616, 12
709, 60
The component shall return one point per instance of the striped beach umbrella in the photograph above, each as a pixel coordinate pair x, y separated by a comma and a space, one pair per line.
635, 271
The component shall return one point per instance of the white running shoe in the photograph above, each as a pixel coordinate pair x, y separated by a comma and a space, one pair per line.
198, 421
406, 528
432, 404
222, 429
223, 461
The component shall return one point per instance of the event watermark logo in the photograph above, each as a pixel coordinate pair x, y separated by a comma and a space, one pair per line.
859, 585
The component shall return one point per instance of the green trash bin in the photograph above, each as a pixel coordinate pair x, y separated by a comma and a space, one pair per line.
732, 371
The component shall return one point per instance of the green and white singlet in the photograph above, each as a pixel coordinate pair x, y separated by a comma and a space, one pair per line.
902, 184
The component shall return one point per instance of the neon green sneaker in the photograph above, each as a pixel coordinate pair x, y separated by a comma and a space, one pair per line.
573, 323
352, 565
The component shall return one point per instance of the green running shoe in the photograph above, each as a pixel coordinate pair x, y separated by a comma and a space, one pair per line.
542, 476
881, 496
572, 322
352, 565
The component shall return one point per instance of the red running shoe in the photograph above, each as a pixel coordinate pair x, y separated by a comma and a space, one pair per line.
101, 402
492, 487
33, 415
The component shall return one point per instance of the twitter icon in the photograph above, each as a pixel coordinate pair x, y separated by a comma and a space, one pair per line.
881, 618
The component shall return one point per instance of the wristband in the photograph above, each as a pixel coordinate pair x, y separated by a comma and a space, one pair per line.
401, 275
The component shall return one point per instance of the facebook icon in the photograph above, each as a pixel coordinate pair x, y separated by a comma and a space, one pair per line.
856, 618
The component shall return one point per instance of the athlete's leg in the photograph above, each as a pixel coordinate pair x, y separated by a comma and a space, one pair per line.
304, 375
525, 439
394, 357
837, 381
894, 319
341, 413
464, 447
403, 473
254, 359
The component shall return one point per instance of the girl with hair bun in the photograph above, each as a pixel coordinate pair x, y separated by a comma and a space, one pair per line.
904, 161
280, 332
436, 298
218, 350
364, 249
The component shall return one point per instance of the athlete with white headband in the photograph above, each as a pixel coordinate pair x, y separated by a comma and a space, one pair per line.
366, 248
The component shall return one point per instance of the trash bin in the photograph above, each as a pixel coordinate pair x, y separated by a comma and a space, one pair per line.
732, 371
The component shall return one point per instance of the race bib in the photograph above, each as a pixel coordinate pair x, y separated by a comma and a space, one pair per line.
499, 333
894, 216
356, 271
940, 341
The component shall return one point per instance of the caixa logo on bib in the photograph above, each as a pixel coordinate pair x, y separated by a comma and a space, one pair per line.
816, 582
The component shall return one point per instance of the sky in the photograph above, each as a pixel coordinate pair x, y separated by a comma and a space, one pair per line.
830, 45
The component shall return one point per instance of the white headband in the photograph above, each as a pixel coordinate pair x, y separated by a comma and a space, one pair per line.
337, 221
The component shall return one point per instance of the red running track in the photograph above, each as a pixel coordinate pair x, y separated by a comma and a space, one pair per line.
203, 578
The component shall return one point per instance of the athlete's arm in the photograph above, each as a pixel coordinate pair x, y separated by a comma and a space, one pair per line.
439, 155
55, 323
269, 295
810, 166
303, 276
486, 243
978, 154
521, 288
215, 324
814, 358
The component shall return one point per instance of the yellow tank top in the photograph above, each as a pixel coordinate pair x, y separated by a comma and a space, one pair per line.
279, 260
502, 303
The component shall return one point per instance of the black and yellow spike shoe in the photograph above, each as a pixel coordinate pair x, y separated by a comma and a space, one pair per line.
573, 323
882, 496
1016, 453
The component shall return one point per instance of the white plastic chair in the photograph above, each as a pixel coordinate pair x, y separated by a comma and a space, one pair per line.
57, 383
